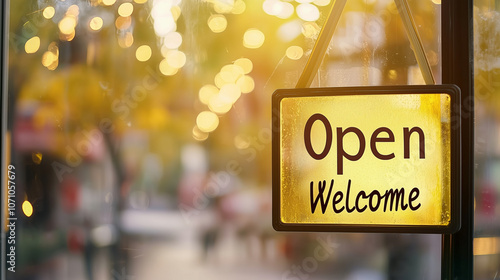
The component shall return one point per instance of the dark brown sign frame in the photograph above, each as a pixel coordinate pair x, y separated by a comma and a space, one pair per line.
455, 152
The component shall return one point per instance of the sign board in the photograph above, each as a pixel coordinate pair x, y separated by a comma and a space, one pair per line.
367, 159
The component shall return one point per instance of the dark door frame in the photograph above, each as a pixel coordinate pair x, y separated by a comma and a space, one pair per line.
457, 55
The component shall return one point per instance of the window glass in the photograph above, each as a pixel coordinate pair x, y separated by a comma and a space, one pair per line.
138, 136
487, 180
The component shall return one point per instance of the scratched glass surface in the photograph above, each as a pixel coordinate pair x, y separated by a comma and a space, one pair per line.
429, 174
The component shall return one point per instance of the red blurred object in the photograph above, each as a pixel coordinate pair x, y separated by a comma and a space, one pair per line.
488, 199
70, 190
75, 240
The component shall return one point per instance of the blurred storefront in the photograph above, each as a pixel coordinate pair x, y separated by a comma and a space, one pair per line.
140, 135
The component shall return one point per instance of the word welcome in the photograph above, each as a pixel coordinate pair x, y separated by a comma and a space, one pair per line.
395, 198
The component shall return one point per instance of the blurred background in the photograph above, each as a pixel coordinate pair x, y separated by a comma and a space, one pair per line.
140, 133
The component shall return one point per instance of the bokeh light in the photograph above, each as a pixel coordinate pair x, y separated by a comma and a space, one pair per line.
223, 7
217, 23
272, 7
123, 23
308, 12
32, 45
176, 59
239, 7
246, 84
206, 92
126, 40
50, 59
96, 23
219, 82
126, 9
230, 93
164, 25
143, 53
108, 2
245, 64
166, 69
290, 30
49, 12
199, 135
294, 52
176, 12
27, 208
73, 10
172, 40
253, 38
67, 25
231, 73
310, 30
286, 10
219, 105
207, 121
321, 3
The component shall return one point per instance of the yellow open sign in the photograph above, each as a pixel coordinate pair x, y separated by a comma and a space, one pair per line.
367, 159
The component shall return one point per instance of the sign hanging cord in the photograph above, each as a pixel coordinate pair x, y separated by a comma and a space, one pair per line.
326, 34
